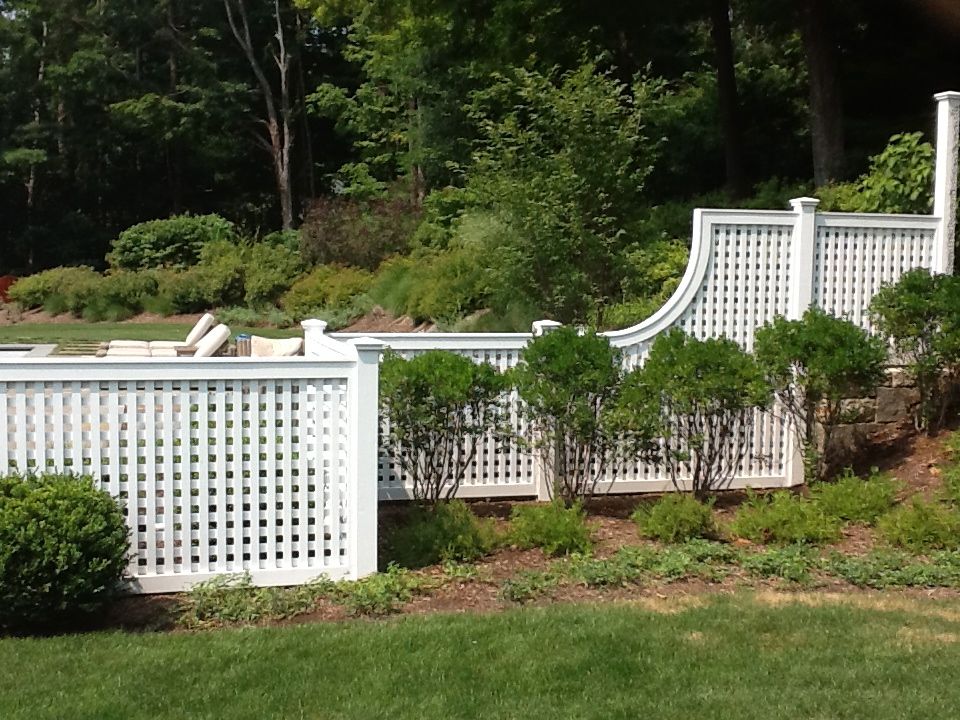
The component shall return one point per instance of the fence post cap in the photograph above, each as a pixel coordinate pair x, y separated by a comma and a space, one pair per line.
804, 202
542, 327
314, 324
367, 343
949, 95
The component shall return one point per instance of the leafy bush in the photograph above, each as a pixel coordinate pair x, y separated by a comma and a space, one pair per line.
898, 181
240, 316
448, 532
173, 242
380, 593
72, 286
792, 563
120, 295
675, 518
920, 314
325, 287
568, 381
234, 599
704, 395
853, 499
783, 518
813, 364
268, 272
556, 529
922, 525
344, 231
63, 548
439, 407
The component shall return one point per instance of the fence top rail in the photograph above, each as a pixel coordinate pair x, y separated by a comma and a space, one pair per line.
874, 220
749, 217
445, 341
106, 369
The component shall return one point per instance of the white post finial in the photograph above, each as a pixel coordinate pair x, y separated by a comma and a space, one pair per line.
802, 247
313, 335
945, 182
542, 327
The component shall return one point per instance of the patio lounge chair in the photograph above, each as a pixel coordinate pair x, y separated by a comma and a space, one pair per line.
207, 346
193, 338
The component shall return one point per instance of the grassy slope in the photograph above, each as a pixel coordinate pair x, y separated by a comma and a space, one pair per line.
96, 332
731, 658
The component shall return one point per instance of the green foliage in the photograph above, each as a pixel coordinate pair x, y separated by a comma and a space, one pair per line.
922, 525
268, 272
120, 295
703, 395
360, 233
783, 518
567, 381
556, 529
528, 585
73, 286
885, 568
63, 548
447, 532
560, 163
813, 364
675, 518
325, 287
380, 593
853, 499
899, 180
920, 314
792, 563
240, 316
440, 406
235, 600
172, 242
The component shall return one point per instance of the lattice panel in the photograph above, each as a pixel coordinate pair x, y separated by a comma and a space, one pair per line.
497, 469
215, 476
852, 263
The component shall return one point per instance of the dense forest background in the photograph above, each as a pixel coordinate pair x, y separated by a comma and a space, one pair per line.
446, 157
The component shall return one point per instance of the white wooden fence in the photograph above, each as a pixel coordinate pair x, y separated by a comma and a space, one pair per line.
222, 465
745, 268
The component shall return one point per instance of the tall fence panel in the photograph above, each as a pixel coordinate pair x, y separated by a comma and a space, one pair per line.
222, 465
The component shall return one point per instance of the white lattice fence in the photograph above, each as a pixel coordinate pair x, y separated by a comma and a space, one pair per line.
221, 465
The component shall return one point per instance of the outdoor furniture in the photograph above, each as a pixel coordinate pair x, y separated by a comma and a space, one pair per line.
193, 337
269, 347
207, 346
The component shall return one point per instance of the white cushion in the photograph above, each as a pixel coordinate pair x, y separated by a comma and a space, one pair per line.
268, 347
128, 352
166, 344
212, 341
204, 324
163, 352
141, 344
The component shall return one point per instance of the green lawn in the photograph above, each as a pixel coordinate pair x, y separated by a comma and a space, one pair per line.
730, 657
97, 332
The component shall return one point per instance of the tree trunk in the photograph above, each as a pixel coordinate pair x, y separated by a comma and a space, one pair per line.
728, 98
826, 100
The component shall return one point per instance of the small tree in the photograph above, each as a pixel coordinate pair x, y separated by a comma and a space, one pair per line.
813, 365
568, 382
438, 408
704, 395
920, 315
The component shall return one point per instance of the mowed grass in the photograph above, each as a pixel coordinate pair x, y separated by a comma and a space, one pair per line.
741, 656
99, 332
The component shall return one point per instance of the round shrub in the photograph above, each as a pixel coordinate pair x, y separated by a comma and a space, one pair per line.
783, 518
445, 532
853, 499
675, 518
556, 529
63, 548
63, 288
922, 525
327, 287
172, 242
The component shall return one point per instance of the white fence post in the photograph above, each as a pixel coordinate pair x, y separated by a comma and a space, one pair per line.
802, 248
541, 475
800, 298
945, 181
365, 454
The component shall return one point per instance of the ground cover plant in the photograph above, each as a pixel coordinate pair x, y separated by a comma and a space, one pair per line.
675, 518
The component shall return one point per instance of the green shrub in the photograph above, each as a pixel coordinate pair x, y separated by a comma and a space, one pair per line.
173, 242
448, 532
380, 593
703, 395
326, 287
783, 518
853, 499
922, 525
71, 286
439, 406
253, 317
556, 529
899, 181
920, 314
568, 382
120, 295
792, 563
675, 518
63, 548
813, 364
268, 272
